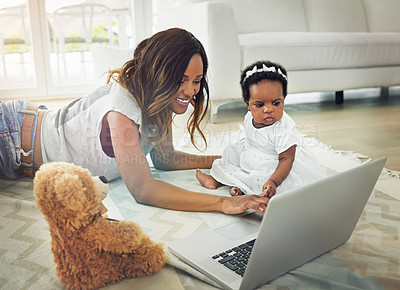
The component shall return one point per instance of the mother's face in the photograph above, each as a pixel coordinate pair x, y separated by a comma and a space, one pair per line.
190, 85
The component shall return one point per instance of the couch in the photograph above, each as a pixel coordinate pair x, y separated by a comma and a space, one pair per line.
326, 45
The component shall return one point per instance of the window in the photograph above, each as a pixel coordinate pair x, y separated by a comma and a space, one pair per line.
45, 45
15, 45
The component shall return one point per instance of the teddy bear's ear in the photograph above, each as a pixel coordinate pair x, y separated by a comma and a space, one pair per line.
70, 191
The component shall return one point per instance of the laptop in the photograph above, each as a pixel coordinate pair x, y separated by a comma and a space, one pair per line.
297, 226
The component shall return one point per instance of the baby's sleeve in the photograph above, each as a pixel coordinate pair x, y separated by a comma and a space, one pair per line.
285, 138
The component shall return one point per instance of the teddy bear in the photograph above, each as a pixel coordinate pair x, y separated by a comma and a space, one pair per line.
89, 250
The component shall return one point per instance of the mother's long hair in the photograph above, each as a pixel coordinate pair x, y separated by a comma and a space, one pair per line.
155, 74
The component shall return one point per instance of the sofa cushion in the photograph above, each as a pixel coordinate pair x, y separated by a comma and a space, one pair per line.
335, 16
322, 50
383, 15
269, 15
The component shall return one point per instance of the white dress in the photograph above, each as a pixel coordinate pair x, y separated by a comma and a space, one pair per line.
249, 163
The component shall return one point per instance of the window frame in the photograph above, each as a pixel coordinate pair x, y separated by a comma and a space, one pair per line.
44, 87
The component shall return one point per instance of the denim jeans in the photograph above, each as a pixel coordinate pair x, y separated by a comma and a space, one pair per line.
11, 118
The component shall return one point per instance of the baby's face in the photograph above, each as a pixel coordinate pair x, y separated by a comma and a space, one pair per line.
266, 103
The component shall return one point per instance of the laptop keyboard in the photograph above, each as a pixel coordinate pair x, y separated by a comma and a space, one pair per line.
236, 258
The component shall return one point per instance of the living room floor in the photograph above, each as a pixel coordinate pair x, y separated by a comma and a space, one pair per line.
365, 123
368, 126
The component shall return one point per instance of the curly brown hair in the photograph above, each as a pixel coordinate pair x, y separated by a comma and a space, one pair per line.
154, 75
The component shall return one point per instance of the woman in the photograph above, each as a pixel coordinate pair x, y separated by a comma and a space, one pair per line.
111, 130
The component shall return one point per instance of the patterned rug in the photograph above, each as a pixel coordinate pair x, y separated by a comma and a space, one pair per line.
368, 260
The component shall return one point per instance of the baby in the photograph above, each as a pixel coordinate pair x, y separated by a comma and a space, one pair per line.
271, 158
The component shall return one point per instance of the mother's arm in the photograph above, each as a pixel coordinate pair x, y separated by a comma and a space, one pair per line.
135, 172
171, 159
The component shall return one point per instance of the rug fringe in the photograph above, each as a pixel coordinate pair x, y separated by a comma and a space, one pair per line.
345, 153
354, 156
391, 173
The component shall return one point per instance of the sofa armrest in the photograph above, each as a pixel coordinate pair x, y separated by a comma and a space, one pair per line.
213, 24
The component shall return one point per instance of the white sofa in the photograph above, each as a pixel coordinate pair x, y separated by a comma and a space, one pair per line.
326, 45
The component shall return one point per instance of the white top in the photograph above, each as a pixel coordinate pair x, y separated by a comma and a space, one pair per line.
249, 163
72, 133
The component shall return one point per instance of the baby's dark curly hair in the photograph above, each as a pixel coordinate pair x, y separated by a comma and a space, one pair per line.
257, 77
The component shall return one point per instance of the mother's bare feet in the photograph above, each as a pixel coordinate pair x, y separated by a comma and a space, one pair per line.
235, 191
206, 180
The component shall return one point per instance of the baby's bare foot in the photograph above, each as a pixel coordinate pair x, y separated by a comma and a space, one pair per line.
235, 191
206, 180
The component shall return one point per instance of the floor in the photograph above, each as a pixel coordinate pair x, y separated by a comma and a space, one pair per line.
365, 123
369, 126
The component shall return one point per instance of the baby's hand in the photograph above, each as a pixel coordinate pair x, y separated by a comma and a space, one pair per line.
269, 189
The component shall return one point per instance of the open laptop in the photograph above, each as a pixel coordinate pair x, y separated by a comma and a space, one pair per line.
297, 226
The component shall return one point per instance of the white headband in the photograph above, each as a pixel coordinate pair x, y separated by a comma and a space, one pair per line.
264, 68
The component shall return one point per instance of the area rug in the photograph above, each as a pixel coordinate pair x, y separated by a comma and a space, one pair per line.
368, 260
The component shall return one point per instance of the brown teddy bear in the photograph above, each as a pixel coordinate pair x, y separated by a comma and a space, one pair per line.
89, 250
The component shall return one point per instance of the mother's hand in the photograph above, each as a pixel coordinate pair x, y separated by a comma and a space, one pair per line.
239, 204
